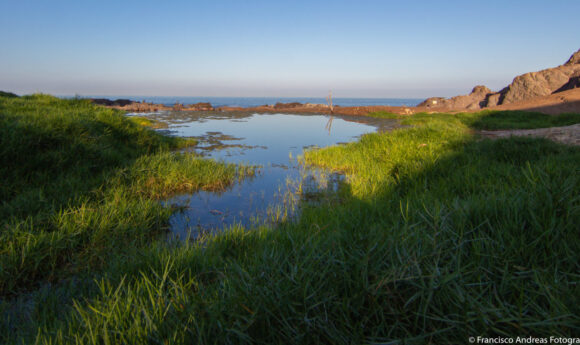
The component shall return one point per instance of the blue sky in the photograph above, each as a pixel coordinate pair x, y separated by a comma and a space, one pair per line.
279, 48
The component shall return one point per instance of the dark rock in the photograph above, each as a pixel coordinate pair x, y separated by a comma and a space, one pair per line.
287, 105
109, 103
573, 83
102, 101
8, 94
201, 106
491, 100
122, 102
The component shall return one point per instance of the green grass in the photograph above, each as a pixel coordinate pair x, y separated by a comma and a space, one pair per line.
493, 120
436, 237
80, 182
147, 122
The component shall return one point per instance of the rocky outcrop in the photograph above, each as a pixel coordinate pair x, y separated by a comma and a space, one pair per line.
573, 83
287, 105
112, 103
574, 59
541, 83
524, 87
201, 106
474, 100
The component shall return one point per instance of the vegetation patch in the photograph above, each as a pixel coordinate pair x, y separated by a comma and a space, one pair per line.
147, 122
492, 119
80, 182
435, 237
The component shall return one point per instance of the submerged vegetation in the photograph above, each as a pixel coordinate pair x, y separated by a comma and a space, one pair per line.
437, 236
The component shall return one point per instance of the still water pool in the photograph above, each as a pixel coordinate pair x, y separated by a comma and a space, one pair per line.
270, 141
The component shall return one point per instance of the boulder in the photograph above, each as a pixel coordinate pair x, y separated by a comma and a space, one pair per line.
573, 83
536, 84
472, 101
287, 105
122, 102
432, 102
492, 99
110, 103
480, 89
201, 106
102, 101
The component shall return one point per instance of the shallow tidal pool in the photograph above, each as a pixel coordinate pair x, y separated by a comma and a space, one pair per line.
270, 141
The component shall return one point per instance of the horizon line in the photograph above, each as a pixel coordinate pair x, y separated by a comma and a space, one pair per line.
116, 96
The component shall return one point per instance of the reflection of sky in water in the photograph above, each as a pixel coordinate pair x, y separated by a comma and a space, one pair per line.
268, 140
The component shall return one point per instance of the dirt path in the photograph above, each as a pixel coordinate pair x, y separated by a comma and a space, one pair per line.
566, 135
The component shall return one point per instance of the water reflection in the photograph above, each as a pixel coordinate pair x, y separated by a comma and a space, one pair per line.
271, 141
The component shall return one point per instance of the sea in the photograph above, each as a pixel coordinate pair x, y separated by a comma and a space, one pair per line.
258, 101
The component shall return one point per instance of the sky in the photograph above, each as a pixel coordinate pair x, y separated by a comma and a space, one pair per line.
362, 48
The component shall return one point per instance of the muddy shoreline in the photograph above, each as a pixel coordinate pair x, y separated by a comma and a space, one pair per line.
562, 102
146, 107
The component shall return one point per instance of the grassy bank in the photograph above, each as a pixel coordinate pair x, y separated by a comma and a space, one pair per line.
437, 236
80, 183
494, 120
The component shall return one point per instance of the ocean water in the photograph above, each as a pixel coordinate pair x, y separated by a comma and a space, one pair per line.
257, 101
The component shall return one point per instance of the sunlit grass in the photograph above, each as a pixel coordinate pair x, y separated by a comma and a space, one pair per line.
492, 119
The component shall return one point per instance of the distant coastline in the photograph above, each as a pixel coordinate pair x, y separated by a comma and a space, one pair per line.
251, 102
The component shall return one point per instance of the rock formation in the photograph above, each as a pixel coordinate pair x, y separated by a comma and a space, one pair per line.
111, 103
522, 88
472, 101
542, 83
287, 105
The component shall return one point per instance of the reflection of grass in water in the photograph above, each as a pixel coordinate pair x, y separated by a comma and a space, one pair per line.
313, 187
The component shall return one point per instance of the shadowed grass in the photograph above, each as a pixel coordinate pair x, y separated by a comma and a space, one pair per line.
436, 237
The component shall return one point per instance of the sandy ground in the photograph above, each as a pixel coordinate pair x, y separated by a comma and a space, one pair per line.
566, 135
559, 103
